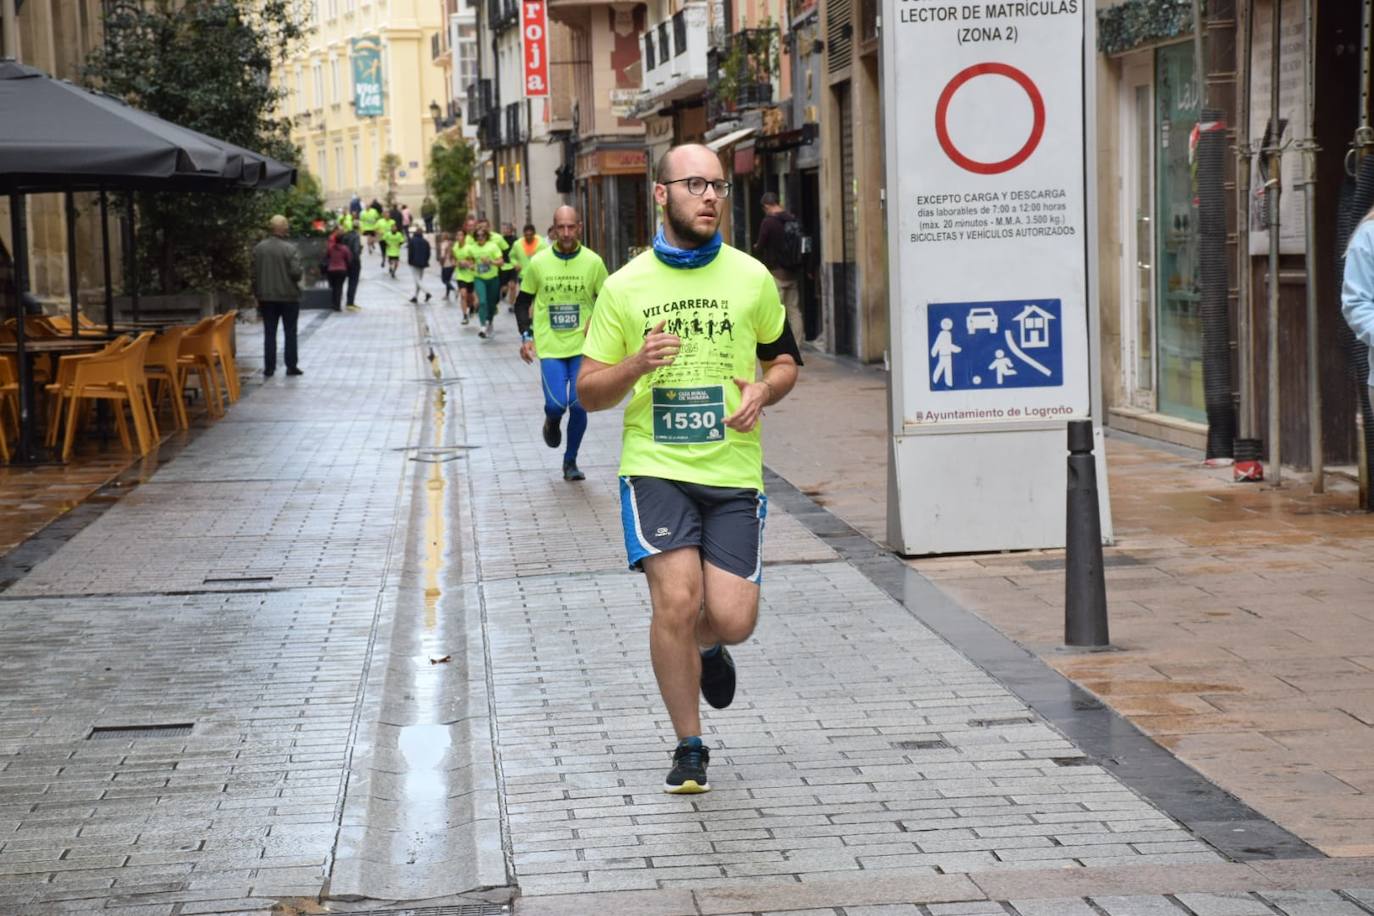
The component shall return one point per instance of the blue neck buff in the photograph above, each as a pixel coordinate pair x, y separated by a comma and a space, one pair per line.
567, 257
685, 258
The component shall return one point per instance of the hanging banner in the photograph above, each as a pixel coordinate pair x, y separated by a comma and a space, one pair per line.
534, 39
366, 58
989, 237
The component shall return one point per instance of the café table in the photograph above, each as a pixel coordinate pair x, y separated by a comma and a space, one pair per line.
46, 346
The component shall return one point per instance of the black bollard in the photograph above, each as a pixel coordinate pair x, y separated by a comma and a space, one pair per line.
1085, 588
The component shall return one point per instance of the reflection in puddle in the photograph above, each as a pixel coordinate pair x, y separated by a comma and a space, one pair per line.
424, 748
436, 520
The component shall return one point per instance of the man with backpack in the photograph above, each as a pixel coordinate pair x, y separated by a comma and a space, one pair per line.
779, 247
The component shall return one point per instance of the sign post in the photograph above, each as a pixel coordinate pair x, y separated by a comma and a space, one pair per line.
991, 216
366, 59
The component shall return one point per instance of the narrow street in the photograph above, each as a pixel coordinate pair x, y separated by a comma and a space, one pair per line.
357, 647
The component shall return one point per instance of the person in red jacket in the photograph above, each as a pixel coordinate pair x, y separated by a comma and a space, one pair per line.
337, 260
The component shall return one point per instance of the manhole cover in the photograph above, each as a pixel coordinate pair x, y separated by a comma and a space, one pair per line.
935, 745
177, 730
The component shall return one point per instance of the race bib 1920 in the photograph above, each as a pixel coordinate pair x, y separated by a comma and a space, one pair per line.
684, 416
565, 317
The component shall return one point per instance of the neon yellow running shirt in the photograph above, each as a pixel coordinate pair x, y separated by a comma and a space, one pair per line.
393, 241
674, 421
489, 252
460, 253
564, 291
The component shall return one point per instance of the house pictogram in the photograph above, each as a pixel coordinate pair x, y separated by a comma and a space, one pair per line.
1035, 327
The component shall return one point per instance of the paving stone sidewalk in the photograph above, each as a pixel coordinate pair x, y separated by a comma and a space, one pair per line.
284, 586
237, 592
862, 751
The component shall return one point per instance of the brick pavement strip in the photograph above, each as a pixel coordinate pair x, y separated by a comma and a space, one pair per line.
236, 589
864, 756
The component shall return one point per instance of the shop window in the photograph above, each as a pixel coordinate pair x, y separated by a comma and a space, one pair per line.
1177, 297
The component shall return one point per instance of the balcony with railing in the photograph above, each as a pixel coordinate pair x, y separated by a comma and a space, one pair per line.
479, 100
741, 73
502, 15
515, 124
674, 57
489, 130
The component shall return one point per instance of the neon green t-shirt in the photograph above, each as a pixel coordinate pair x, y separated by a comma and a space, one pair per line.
518, 255
500, 240
393, 240
368, 219
489, 252
460, 254
674, 421
346, 221
564, 291
384, 225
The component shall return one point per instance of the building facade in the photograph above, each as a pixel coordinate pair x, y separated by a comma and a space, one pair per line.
455, 53
359, 89
606, 160
520, 140
1173, 368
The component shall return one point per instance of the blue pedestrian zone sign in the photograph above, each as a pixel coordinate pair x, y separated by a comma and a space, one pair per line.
980, 345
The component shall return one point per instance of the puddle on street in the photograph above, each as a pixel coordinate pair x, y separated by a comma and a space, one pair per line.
424, 748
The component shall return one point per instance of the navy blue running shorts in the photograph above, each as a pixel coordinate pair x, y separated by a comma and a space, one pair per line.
724, 523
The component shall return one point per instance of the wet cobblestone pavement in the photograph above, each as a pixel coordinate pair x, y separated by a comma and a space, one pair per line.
413, 665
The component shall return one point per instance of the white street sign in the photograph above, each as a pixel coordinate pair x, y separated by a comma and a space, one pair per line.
990, 233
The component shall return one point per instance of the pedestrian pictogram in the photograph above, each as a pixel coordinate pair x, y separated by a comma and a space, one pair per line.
1037, 121
1017, 343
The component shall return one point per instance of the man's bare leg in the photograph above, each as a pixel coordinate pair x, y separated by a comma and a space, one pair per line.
676, 589
695, 606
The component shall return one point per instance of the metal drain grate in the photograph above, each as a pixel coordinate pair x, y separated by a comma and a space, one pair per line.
1074, 761
938, 744
177, 730
461, 909
993, 723
235, 580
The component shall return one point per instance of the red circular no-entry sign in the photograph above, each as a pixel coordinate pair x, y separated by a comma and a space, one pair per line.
942, 114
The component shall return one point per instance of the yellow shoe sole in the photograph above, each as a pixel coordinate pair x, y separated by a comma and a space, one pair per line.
690, 787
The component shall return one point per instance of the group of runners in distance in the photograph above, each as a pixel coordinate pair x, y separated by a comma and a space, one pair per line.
681, 330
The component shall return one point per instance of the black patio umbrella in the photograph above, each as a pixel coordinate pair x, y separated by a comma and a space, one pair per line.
58, 136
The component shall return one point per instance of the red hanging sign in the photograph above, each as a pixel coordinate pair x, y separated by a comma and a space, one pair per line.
534, 39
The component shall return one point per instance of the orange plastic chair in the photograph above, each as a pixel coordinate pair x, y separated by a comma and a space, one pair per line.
197, 353
61, 389
115, 377
224, 353
9, 404
160, 365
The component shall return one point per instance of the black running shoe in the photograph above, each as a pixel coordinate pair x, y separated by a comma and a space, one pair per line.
688, 775
553, 434
571, 472
718, 678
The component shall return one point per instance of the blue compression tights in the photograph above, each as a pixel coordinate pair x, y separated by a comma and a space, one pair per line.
560, 394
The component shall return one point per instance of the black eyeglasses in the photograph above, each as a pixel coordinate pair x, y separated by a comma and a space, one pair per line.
696, 186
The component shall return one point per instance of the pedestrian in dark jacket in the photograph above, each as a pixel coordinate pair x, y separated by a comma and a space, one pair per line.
417, 256
338, 260
276, 285
355, 266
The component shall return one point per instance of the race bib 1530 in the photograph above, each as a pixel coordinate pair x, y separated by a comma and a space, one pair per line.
684, 416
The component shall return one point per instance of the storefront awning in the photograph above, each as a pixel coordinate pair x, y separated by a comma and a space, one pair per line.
731, 138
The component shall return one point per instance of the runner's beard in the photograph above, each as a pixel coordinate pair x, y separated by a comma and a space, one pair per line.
684, 227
